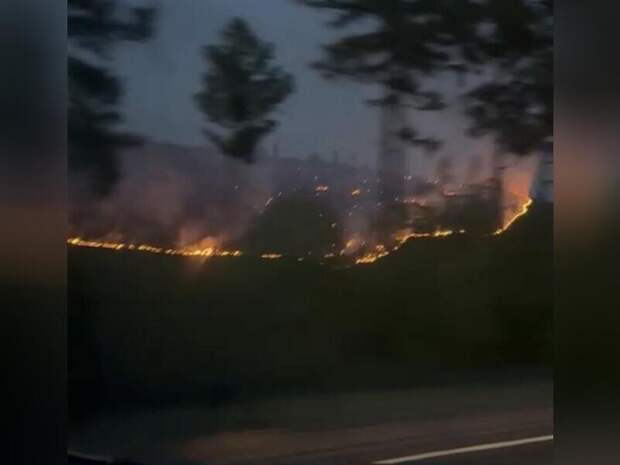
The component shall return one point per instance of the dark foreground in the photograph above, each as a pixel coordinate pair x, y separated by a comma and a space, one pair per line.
338, 429
444, 344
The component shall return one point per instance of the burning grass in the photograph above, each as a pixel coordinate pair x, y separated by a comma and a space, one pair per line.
242, 327
356, 248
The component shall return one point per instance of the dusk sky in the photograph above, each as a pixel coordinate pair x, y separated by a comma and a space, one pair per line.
162, 75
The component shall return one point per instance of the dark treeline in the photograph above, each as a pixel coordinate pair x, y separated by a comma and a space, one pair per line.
410, 42
414, 40
94, 26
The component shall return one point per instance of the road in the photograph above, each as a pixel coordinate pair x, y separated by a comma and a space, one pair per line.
535, 454
515, 438
538, 452
388, 428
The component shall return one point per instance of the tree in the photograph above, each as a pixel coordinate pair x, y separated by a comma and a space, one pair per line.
295, 225
516, 105
396, 44
241, 89
410, 41
94, 92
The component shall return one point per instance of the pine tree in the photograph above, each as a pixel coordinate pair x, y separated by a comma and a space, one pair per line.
516, 105
241, 89
95, 92
407, 42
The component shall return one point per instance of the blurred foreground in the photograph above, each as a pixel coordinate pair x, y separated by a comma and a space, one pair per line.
446, 334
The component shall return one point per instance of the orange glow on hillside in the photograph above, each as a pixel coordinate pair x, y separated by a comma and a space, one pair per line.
208, 247
522, 211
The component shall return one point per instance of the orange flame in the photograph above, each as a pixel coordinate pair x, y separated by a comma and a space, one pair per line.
522, 211
185, 252
209, 249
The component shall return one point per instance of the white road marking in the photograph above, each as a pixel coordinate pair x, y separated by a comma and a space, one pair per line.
97, 458
465, 450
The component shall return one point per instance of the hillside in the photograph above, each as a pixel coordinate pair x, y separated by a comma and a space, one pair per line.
148, 328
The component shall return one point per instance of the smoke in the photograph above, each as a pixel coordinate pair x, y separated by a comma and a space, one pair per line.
194, 198
518, 181
173, 196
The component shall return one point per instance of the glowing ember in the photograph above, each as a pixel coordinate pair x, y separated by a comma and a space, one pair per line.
271, 256
414, 201
353, 247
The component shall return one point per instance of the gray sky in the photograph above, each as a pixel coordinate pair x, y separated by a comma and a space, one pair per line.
162, 75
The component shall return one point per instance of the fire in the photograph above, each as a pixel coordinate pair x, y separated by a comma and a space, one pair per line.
521, 211
209, 248
403, 236
185, 252
356, 192
379, 252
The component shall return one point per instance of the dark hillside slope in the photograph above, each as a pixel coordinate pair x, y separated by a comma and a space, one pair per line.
149, 328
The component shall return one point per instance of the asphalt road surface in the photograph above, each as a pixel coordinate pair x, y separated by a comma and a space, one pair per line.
527, 451
533, 454
507, 425
523, 438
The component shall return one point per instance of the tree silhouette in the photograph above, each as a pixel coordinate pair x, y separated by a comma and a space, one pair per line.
241, 89
94, 92
516, 105
410, 40
397, 44
294, 226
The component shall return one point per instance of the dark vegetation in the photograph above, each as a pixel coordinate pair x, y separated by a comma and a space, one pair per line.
307, 230
241, 90
148, 329
94, 91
